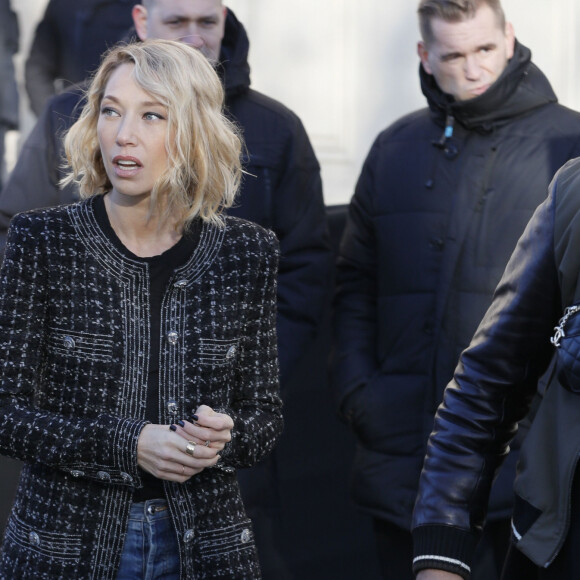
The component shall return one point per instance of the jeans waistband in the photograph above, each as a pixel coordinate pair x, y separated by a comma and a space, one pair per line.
149, 510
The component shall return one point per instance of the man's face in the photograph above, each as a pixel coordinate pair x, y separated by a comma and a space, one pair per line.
467, 57
199, 23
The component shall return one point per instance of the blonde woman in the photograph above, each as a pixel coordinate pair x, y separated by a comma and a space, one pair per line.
137, 336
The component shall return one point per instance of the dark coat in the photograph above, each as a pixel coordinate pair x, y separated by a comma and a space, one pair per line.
68, 43
431, 227
9, 40
74, 319
282, 191
492, 388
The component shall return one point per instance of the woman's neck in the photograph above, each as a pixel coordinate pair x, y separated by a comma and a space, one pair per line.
139, 233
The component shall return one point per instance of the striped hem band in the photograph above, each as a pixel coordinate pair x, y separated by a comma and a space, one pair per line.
443, 559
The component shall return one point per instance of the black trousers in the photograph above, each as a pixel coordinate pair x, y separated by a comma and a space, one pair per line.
395, 551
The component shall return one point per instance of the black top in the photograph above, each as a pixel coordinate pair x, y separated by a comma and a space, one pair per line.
161, 269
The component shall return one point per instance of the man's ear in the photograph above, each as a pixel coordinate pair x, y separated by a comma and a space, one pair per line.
224, 16
510, 36
139, 14
424, 56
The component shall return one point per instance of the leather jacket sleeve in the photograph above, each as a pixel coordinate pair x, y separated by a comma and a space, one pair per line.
491, 391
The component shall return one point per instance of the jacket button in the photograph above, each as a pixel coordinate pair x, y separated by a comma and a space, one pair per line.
231, 352
188, 536
126, 477
246, 536
68, 342
181, 284
77, 473
438, 243
451, 151
172, 337
172, 407
34, 539
103, 476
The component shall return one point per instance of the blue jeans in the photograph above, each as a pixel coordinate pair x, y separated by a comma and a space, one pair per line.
150, 551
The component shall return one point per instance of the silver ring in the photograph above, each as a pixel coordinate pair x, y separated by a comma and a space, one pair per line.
208, 443
183, 470
190, 448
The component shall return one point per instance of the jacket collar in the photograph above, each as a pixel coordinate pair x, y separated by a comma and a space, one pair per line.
521, 88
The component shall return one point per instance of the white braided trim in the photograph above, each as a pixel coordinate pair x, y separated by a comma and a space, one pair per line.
443, 559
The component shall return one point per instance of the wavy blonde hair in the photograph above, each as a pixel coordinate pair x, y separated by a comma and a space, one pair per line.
203, 145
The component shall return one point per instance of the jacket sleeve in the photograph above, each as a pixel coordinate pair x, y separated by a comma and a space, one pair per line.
491, 391
299, 220
34, 181
101, 447
354, 361
41, 67
9, 41
257, 408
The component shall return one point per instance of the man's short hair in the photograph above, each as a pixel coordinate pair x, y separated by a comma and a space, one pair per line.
453, 11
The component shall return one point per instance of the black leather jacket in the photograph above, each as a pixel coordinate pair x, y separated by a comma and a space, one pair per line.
492, 388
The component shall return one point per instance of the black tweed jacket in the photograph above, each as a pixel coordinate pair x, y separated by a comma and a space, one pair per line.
74, 352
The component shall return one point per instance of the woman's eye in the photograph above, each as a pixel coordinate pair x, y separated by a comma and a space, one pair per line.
108, 112
152, 116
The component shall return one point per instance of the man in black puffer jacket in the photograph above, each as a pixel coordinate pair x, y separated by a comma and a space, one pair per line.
282, 191
443, 197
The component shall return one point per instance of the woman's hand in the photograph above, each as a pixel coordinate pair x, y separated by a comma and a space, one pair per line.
164, 454
431, 574
207, 429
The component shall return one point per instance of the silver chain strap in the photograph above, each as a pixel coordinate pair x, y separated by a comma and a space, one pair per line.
559, 333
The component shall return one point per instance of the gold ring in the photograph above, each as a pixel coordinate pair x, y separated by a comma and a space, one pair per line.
207, 443
190, 448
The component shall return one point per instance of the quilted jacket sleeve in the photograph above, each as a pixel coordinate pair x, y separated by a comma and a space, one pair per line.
355, 304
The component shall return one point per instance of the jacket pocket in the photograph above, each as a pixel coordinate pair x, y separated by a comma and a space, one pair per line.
231, 550
80, 345
216, 352
62, 548
524, 517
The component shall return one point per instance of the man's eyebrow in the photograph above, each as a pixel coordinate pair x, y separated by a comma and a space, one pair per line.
175, 16
456, 54
450, 55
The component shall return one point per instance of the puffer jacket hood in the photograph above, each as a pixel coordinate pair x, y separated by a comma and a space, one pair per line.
234, 68
521, 88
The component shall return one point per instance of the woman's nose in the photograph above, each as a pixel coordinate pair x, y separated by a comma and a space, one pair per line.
126, 132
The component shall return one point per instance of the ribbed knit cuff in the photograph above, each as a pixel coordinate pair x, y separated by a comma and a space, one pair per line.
443, 548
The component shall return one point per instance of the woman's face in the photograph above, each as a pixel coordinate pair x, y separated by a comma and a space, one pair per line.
131, 129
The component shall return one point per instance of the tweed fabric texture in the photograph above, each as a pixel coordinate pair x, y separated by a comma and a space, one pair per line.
75, 338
